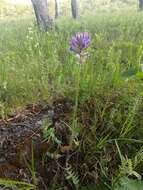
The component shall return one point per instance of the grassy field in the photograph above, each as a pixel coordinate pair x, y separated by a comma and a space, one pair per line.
107, 90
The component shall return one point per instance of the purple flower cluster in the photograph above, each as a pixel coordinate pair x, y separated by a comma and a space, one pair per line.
80, 42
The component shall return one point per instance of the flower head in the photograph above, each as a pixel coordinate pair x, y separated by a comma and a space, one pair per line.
80, 42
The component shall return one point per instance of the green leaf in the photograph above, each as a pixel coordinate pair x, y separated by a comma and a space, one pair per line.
13, 183
128, 184
94, 187
129, 73
139, 75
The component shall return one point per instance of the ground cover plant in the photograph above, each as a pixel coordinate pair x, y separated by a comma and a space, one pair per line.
91, 110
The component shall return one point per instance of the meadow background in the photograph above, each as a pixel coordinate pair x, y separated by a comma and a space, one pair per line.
107, 91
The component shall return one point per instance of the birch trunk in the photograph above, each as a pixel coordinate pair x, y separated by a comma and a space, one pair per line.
74, 8
57, 8
41, 13
141, 4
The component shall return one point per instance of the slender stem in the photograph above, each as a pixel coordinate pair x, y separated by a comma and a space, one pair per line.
76, 101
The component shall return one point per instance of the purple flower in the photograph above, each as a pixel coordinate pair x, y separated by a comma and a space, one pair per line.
80, 42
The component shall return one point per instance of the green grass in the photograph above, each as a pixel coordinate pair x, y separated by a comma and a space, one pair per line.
107, 89
36, 65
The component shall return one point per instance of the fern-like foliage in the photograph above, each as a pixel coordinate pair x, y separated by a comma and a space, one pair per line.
72, 176
138, 158
128, 166
49, 133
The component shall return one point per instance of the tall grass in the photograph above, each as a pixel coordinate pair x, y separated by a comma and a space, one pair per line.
36, 65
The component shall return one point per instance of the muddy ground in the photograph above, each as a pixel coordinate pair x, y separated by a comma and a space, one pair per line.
22, 134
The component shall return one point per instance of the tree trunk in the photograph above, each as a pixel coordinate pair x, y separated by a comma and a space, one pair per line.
57, 10
74, 8
41, 13
141, 4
